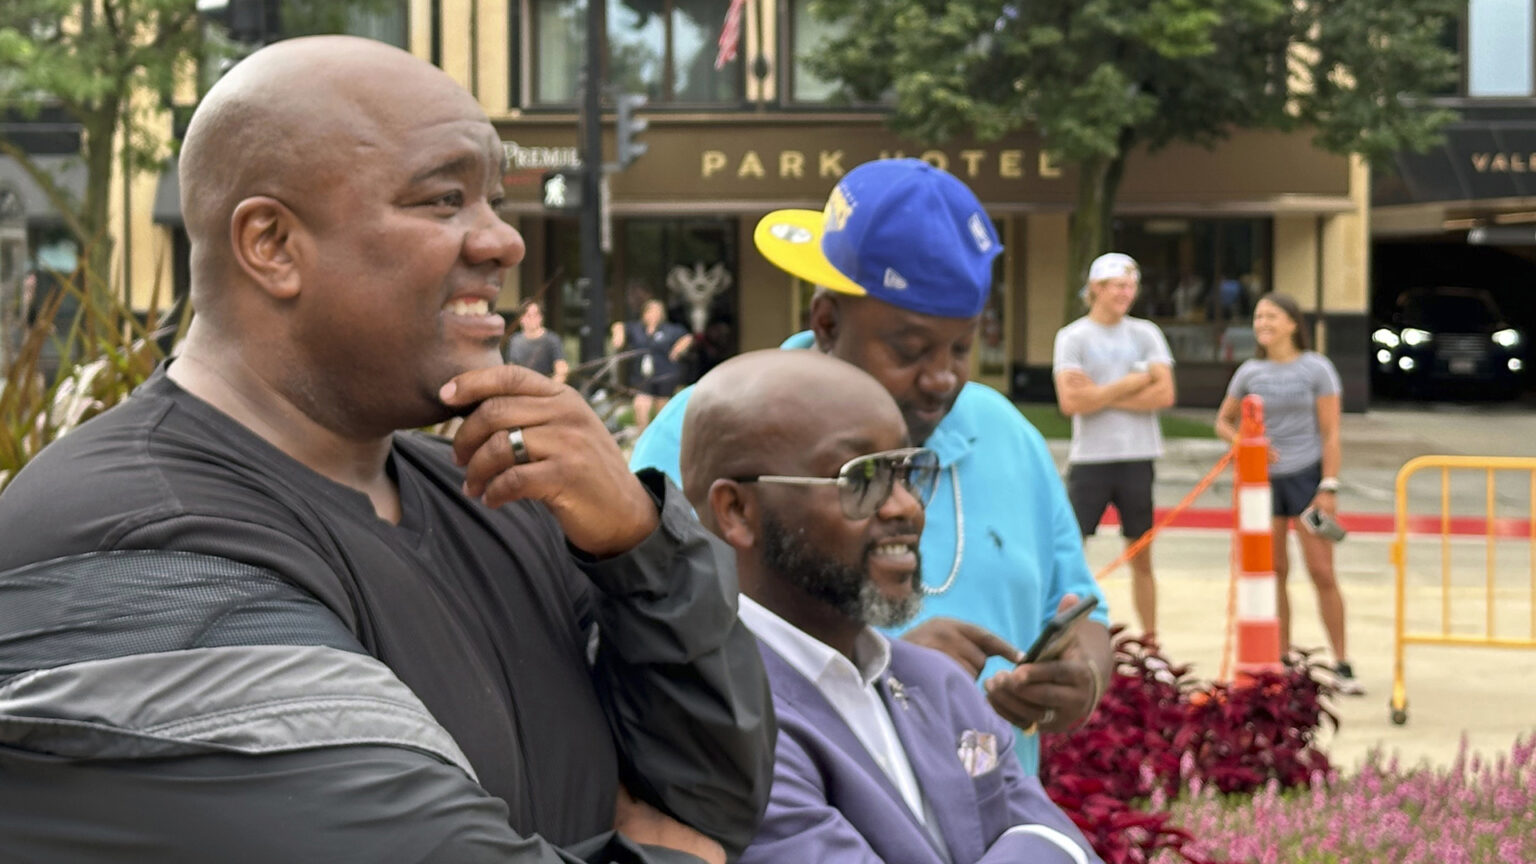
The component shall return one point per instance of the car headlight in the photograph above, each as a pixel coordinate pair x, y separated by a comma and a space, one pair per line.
1413, 337
1385, 338
1507, 338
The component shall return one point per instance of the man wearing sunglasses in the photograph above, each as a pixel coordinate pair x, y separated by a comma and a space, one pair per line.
903, 257
886, 752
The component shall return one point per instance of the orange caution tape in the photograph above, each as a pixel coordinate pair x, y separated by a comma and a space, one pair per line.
1146, 539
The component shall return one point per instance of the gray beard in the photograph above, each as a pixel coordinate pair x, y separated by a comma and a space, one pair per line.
846, 589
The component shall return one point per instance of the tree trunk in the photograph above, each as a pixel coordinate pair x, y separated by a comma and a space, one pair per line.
95, 237
1092, 228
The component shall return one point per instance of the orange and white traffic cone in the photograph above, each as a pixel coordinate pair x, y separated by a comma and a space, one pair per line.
1258, 622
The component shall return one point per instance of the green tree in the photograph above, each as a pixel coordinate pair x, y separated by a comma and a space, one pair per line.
92, 59
109, 64
1098, 79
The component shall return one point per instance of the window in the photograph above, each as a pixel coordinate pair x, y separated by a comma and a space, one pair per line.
690, 265
807, 35
1499, 49
664, 49
1451, 33
992, 329
1199, 281
557, 39
381, 20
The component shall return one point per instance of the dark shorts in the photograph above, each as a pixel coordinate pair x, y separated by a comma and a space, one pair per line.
1092, 486
1291, 493
661, 387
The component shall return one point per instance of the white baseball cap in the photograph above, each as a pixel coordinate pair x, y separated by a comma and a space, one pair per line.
1111, 265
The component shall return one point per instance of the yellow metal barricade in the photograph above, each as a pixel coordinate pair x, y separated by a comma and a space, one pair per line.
1491, 526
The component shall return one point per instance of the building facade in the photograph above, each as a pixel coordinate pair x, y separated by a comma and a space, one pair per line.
1212, 229
1463, 214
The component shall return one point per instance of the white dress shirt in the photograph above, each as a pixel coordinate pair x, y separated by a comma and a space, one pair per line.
850, 689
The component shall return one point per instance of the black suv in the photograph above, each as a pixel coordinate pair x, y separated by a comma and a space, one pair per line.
1449, 336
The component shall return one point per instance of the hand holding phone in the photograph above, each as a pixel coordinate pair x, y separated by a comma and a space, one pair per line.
1055, 637
1318, 521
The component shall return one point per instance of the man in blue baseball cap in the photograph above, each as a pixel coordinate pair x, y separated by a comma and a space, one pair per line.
903, 257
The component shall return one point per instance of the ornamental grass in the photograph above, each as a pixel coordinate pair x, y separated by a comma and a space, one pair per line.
79, 349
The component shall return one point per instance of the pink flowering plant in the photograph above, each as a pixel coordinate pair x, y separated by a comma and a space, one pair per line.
1172, 770
1476, 811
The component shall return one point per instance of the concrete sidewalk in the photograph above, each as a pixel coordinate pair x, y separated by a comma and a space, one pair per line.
1481, 693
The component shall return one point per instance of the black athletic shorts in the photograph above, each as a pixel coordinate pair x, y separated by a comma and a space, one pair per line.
1291, 493
1092, 486
662, 386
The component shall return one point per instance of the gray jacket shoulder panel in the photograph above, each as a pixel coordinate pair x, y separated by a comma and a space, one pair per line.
121, 603
148, 654
242, 699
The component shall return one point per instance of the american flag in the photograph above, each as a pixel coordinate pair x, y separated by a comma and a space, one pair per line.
730, 34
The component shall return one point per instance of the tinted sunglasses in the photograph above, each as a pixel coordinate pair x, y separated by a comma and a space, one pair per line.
864, 483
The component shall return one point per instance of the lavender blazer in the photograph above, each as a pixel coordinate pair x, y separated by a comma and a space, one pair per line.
831, 802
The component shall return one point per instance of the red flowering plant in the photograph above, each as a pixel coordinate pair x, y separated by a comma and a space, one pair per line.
1158, 730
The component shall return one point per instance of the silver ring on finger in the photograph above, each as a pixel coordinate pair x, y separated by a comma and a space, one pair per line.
1048, 716
520, 454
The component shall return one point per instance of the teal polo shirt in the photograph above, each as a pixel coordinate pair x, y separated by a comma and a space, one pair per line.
1001, 545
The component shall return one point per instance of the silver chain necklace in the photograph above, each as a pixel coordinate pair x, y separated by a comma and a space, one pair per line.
954, 479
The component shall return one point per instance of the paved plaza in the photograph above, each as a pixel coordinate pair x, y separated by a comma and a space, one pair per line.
1484, 694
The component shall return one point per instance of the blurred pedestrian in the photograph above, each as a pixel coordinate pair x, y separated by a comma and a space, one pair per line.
1301, 392
1113, 373
534, 346
655, 374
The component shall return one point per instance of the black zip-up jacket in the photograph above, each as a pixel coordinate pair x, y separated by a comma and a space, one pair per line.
207, 652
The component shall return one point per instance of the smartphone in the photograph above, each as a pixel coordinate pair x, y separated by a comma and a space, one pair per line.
1318, 522
1053, 639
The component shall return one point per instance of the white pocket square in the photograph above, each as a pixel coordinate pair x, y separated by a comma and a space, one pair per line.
978, 752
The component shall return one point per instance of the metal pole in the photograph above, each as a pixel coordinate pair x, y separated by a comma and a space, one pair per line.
592, 263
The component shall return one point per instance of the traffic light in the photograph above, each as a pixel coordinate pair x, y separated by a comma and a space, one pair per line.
562, 190
628, 127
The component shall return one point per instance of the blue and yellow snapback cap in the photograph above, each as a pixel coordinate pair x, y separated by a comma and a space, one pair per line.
898, 230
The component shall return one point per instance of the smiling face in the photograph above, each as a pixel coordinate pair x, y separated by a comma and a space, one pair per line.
923, 361
865, 570
1112, 298
1273, 329
409, 251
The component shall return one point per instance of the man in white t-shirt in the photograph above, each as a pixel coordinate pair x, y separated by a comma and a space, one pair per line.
1113, 374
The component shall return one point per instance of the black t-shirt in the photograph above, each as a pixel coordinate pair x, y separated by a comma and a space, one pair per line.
482, 613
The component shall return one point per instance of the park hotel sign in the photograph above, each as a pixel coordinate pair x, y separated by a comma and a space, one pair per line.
797, 164
745, 163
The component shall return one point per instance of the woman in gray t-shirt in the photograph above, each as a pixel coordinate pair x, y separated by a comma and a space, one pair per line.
1300, 389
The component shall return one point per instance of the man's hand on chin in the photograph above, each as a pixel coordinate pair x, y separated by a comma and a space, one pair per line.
530, 438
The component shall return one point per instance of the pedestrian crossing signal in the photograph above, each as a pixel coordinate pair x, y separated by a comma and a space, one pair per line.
562, 190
